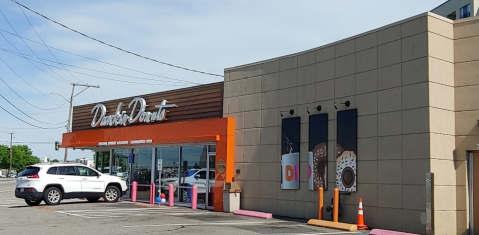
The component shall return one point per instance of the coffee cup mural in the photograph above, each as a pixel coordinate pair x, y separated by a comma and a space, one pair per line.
290, 171
290, 153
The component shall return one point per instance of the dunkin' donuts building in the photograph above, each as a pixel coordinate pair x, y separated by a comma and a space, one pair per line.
389, 116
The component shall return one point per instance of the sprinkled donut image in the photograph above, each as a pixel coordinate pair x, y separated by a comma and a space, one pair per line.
320, 164
346, 171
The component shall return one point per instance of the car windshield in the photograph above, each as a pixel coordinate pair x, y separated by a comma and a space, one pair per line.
31, 170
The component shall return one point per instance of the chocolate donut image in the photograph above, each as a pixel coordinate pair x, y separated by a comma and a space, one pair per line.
346, 171
320, 165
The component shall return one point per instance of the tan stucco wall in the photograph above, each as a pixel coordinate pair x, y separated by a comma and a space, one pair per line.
401, 79
466, 43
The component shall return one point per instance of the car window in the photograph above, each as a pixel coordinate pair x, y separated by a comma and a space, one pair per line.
52, 171
201, 175
29, 171
85, 171
66, 170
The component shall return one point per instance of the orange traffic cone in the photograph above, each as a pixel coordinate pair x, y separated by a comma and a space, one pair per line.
360, 223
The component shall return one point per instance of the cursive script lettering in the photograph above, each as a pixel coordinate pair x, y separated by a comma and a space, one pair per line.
138, 113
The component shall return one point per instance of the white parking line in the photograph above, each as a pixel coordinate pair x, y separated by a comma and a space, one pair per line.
130, 209
6, 191
202, 224
126, 212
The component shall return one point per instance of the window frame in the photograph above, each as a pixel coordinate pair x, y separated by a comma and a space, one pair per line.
74, 169
465, 11
90, 169
56, 170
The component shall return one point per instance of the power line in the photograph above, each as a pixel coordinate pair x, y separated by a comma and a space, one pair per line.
31, 48
25, 80
118, 48
99, 61
44, 42
29, 115
27, 101
111, 79
94, 70
28, 122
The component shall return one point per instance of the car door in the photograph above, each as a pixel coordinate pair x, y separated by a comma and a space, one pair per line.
69, 180
200, 181
91, 182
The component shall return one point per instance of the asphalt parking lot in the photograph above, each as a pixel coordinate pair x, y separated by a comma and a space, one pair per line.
81, 217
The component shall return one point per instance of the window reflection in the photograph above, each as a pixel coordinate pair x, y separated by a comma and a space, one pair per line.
102, 162
170, 157
120, 165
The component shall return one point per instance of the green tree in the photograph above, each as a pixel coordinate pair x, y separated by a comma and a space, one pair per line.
55, 160
21, 157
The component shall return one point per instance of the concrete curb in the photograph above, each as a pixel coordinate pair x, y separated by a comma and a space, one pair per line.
253, 214
335, 225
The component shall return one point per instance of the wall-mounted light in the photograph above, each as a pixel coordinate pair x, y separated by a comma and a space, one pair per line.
290, 112
317, 108
347, 104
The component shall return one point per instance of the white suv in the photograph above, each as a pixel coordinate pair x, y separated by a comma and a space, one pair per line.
54, 182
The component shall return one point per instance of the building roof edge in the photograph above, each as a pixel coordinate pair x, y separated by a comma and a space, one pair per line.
332, 43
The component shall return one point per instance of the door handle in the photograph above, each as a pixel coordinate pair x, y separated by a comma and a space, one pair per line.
61, 178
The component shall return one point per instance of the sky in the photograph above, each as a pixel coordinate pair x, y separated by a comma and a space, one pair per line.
204, 35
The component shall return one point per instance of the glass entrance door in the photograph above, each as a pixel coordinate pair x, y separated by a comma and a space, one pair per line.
210, 196
193, 163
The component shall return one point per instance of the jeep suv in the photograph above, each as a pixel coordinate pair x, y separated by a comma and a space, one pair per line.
55, 182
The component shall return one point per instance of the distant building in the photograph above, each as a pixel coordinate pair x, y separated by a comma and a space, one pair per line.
86, 161
457, 9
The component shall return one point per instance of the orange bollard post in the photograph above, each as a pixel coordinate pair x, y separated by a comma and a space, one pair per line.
320, 203
336, 205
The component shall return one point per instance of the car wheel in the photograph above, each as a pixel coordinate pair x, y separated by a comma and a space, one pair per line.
112, 194
92, 199
52, 196
33, 202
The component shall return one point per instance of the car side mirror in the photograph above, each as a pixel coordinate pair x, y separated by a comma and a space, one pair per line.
197, 177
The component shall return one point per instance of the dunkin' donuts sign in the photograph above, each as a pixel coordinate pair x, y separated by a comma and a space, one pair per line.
137, 113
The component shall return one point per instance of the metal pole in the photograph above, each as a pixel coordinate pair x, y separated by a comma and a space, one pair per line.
69, 120
71, 107
11, 146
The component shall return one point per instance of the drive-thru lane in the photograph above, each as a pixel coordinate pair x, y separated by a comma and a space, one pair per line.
81, 217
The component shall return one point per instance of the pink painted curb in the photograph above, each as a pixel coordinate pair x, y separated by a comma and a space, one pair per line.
388, 232
253, 214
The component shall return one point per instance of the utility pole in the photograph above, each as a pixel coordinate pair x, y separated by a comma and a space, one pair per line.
71, 107
11, 146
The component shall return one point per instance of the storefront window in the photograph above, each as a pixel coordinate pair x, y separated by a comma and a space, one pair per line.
102, 162
193, 163
170, 157
141, 172
120, 165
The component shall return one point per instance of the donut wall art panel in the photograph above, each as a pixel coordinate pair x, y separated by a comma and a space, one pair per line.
318, 152
346, 150
290, 140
